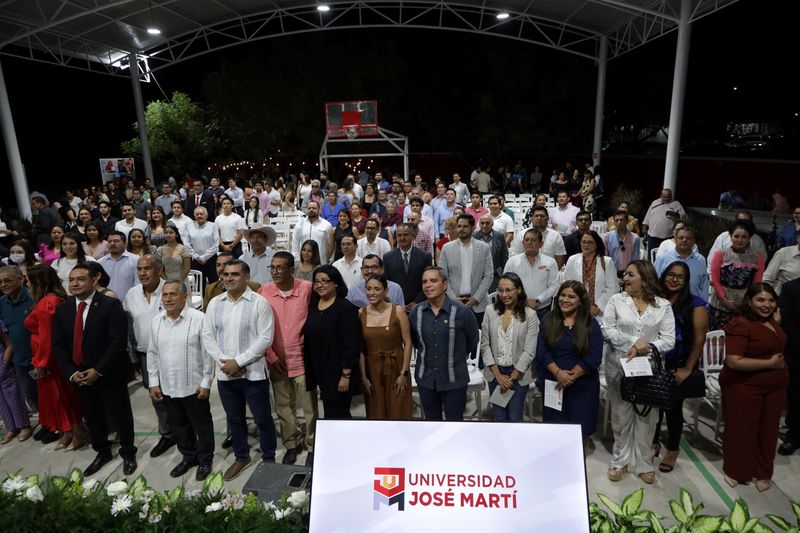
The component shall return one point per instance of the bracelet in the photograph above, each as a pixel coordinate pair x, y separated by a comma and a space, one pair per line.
346, 376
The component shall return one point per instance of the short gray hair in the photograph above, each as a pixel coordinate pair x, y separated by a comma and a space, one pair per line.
14, 269
172, 281
157, 262
201, 208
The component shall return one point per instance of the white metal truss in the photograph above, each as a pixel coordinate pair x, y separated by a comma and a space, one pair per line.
98, 35
387, 144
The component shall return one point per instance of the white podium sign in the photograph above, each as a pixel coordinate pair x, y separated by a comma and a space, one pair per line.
420, 476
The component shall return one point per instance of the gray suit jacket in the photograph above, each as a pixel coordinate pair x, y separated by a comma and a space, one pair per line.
480, 277
524, 342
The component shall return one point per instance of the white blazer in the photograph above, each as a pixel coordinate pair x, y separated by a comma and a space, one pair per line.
605, 282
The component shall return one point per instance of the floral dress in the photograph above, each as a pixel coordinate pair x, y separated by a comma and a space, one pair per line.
731, 274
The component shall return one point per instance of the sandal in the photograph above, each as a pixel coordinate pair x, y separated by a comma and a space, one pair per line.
9, 436
667, 465
615, 474
648, 477
763, 484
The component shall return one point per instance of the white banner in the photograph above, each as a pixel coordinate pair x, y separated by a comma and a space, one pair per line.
419, 476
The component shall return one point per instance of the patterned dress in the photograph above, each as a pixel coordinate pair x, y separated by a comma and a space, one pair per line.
731, 274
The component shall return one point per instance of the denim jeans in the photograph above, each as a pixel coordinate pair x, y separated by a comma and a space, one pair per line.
515, 408
235, 394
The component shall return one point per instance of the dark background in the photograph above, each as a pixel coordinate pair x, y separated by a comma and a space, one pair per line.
463, 96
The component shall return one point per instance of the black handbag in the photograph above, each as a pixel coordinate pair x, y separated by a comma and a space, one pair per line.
656, 391
694, 386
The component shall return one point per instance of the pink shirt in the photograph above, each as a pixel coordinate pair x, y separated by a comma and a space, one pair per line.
289, 315
476, 213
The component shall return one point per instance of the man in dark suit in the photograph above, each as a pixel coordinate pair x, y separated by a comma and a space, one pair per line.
90, 332
198, 197
790, 322
404, 265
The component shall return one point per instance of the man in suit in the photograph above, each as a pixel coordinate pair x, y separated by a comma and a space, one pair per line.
468, 265
790, 321
497, 243
90, 332
200, 198
404, 266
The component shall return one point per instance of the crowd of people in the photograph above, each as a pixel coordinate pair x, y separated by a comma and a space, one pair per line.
385, 286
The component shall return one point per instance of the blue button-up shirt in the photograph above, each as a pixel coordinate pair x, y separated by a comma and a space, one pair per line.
13, 314
431, 336
787, 236
698, 284
357, 294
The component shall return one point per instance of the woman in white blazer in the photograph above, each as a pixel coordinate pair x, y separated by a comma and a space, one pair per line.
601, 281
508, 344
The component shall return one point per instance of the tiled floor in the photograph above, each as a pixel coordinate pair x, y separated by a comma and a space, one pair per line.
698, 468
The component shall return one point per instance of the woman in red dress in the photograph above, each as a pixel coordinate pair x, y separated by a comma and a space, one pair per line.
754, 382
59, 408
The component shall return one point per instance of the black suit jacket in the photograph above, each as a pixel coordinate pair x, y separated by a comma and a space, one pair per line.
206, 200
790, 321
410, 282
105, 335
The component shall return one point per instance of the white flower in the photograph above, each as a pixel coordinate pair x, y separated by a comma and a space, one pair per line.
145, 496
216, 506
282, 513
154, 518
143, 511
122, 504
299, 500
88, 486
34, 494
116, 488
269, 506
14, 484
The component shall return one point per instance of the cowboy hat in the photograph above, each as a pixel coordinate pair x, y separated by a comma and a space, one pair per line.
268, 231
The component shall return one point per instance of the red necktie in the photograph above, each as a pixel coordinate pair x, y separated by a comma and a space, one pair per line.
77, 336
197, 201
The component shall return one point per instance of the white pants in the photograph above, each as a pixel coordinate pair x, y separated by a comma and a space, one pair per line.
633, 434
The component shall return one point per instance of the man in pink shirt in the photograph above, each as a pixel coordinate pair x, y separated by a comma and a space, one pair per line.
288, 298
476, 209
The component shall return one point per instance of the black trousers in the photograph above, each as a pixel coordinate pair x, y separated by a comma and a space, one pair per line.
112, 396
192, 427
793, 400
209, 269
452, 402
673, 415
336, 408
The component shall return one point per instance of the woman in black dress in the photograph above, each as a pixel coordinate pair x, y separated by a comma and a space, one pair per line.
332, 344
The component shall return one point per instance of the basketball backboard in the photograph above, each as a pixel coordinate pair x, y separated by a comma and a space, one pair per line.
357, 118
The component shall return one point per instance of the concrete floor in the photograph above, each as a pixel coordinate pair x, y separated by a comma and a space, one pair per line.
698, 468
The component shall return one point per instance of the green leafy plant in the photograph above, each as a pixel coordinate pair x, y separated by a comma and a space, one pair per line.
784, 524
689, 518
628, 517
740, 521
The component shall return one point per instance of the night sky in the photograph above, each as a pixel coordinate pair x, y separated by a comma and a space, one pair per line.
67, 119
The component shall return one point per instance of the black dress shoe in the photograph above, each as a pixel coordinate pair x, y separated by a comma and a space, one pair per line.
97, 464
40, 433
202, 472
162, 446
50, 436
129, 466
182, 468
290, 457
788, 447
228, 442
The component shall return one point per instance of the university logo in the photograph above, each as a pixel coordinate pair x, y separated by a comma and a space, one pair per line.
390, 486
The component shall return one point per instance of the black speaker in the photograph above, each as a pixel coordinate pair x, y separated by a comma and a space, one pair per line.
271, 481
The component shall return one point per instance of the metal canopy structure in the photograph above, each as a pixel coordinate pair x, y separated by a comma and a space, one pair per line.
107, 36
98, 35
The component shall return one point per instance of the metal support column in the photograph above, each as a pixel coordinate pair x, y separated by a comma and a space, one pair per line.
602, 62
12, 149
678, 94
137, 96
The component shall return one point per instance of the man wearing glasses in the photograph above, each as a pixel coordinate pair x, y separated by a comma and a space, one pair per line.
288, 297
373, 265
621, 244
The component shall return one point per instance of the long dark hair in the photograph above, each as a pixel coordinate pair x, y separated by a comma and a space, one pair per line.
581, 330
81, 253
682, 308
335, 276
43, 280
315, 258
519, 307
745, 310
30, 256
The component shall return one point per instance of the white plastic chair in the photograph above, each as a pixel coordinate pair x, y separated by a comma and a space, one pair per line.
713, 359
196, 288
598, 226
653, 255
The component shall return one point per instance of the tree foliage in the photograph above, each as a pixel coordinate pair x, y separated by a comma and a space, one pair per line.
182, 135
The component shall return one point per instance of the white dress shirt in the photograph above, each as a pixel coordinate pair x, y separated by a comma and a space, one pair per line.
176, 359
182, 223
540, 280
563, 220
236, 195
552, 244
240, 330
203, 240
351, 272
126, 228
316, 231
378, 247
465, 256
783, 268
141, 313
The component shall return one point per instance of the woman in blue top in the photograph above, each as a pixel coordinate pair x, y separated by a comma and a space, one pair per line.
569, 351
691, 326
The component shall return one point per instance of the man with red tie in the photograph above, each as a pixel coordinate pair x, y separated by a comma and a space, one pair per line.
89, 342
198, 197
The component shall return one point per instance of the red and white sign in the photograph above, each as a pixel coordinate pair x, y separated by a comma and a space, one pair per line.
450, 476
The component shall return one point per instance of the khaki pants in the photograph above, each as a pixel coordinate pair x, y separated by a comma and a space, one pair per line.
288, 393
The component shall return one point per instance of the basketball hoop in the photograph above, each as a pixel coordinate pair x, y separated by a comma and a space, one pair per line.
351, 132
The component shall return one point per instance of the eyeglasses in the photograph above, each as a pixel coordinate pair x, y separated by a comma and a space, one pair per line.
676, 277
321, 281
279, 268
622, 246
506, 290
370, 267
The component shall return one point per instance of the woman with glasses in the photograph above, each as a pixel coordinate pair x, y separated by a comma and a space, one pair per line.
635, 322
332, 348
508, 344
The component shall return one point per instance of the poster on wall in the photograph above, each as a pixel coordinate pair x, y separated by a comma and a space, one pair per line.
372, 475
116, 167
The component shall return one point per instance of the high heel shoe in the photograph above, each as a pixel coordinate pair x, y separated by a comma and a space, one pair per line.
64, 441
80, 438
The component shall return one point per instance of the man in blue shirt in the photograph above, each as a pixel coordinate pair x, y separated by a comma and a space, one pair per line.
788, 233
445, 334
684, 245
372, 265
443, 211
15, 304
